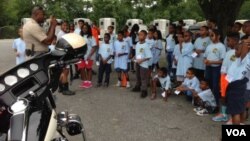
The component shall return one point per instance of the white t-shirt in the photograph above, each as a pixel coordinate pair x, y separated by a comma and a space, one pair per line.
60, 34
207, 96
121, 47
165, 82
150, 43
193, 83
105, 51
91, 42
228, 60
20, 46
156, 51
142, 51
200, 44
237, 70
215, 52
176, 54
170, 43
77, 31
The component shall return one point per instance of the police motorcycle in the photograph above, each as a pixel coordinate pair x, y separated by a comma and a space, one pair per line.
26, 93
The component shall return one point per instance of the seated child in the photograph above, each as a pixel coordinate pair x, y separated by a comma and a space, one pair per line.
162, 80
204, 99
190, 84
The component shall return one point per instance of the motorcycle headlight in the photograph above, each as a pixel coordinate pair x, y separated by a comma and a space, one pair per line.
74, 125
10, 80
34, 67
23, 72
2, 87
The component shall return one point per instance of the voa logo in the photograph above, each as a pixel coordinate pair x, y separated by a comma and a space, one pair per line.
236, 132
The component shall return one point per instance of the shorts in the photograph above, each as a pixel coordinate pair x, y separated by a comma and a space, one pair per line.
121, 70
86, 64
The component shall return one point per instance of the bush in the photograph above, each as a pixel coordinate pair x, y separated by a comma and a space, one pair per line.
8, 32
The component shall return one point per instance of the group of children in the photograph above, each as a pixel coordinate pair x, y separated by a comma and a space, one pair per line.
203, 69
212, 74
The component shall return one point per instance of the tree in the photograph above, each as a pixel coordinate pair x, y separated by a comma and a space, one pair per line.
224, 12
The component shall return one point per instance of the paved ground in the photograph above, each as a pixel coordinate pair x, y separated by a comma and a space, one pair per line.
116, 114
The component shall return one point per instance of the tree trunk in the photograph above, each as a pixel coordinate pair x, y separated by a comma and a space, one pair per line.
224, 12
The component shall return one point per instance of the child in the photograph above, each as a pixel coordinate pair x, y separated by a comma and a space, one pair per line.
128, 40
121, 51
232, 42
235, 93
112, 34
86, 64
200, 46
105, 53
204, 99
190, 84
176, 54
185, 59
150, 41
170, 44
157, 49
214, 55
134, 38
161, 80
143, 55
19, 47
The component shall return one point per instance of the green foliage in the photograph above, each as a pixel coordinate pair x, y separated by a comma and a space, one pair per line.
13, 10
244, 11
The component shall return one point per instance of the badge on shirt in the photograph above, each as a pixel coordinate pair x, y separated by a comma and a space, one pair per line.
123, 46
204, 44
215, 50
233, 58
108, 50
141, 50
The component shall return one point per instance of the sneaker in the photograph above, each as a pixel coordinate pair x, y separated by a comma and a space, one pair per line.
229, 122
197, 109
118, 84
220, 118
128, 85
88, 84
144, 94
83, 84
98, 85
136, 89
202, 112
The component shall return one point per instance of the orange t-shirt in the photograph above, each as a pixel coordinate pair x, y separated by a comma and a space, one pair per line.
95, 33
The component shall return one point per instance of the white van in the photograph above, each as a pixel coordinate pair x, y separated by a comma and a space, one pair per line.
202, 23
162, 25
131, 22
189, 22
241, 21
46, 25
104, 23
84, 19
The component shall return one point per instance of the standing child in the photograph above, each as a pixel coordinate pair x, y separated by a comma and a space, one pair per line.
157, 49
142, 57
134, 38
150, 41
236, 90
87, 63
170, 44
105, 53
232, 42
19, 47
185, 59
204, 99
162, 80
112, 34
190, 84
214, 55
128, 40
200, 46
121, 50
176, 55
